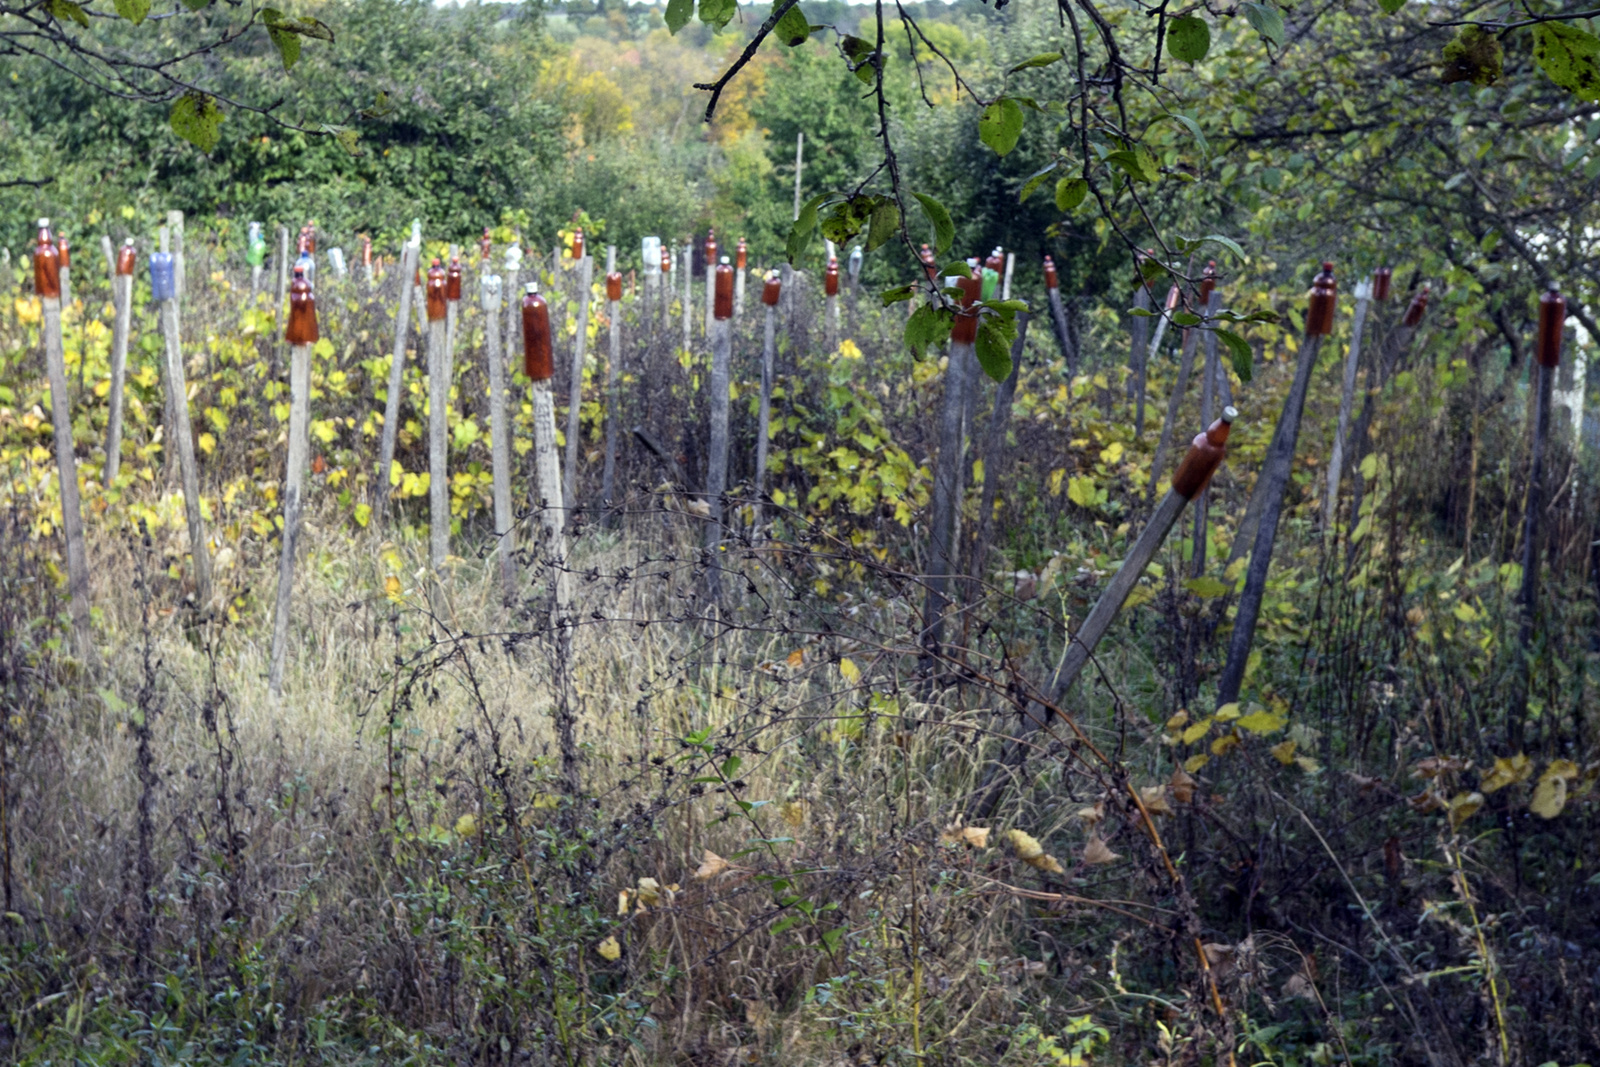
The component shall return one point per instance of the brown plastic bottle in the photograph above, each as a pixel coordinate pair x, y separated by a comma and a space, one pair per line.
830, 278
1552, 327
577, 245
435, 293
366, 251
485, 244
1324, 295
614, 286
710, 248
1051, 280
65, 250
965, 329
1380, 283
302, 328
1208, 282
1205, 455
722, 306
666, 260
125, 257
46, 265
1418, 305
930, 266
740, 255
537, 361
452, 280
770, 289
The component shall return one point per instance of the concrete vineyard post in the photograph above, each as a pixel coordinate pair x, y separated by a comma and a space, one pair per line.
539, 365
946, 473
300, 334
652, 260
799, 165
1058, 319
510, 287
1139, 337
580, 344
47, 286
122, 303
1547, 354
489, 292
1273, 482
1352, 363
613, 376
163, 287
438, 419
688, 296
994, 456
711, 248
397, 366
717, 462
770, 292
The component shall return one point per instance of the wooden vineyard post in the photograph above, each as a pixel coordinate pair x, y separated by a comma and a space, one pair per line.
1205, 455
740, 259
946, 472
717, 462
438, 421
452, 309
1547, 352
688, 296
770, 292
1352, 363
180, 266
1212, 374
1191, 338
180, 438
539, 365
47, 286
122, 303
666, 286
1273, 483
580, 345
652, 259
489, 294
301, 334
397, 367
1058, 319
510, 287
613, 376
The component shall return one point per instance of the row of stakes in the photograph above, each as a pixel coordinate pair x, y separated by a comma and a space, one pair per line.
441, 293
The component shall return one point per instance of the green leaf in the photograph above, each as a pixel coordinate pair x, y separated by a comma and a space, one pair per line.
678, 14
883, 225
1035, 180
1391, 6
286, 32
1043, 59
196, 118
730, 767
196, 5
66, 9
1570, 57
928, 325
1137, 163
1000, 125
848, 218
287, 44
1194, 128
792, 29
1186, 318
897, 294
1188, 39
1070, 193
718, 13
994, 347
133, 10
1239, 349
348, 137
1205, 587
804, 226
944, 230
1227, 242
1267, 20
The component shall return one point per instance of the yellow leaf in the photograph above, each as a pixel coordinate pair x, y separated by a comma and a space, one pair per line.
1195, 762
1196, 732
1027, 847
1283, 752
1549, 797
391, 588
1307, 764
467, 826
711, 865
1224, 744
1097, 852
1263, 722
849, 670
1091, 816
1463, 806
793, 812
976, 836
1047, 863
1182, 785
1228, 712
1178, 721
623, 896
207, 443
796, 659
609, 949
1507, 770
649, 893
1155, 799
